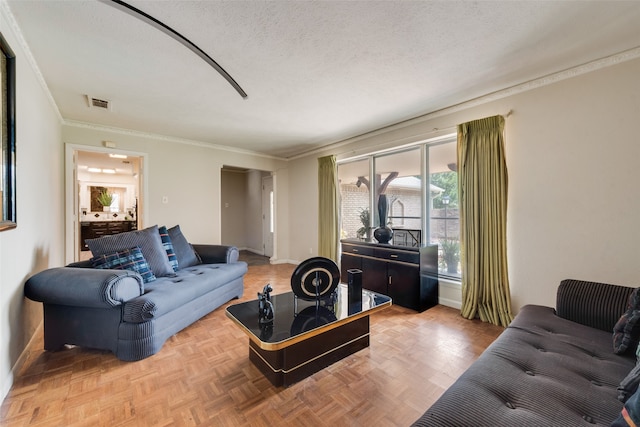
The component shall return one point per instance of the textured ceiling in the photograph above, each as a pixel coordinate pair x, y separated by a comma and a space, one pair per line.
316, 71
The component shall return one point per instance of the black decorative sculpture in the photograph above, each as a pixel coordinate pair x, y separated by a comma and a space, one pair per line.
265, 309
383, 234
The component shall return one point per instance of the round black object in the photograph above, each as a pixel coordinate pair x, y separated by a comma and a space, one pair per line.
315, 278
311, 318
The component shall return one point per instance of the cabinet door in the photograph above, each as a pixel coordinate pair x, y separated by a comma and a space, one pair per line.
85, 233
404, 284
347, 262
374, 275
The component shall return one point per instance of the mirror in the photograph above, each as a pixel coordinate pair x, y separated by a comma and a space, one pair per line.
8, 136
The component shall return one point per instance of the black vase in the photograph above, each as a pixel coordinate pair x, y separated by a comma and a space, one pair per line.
383, 234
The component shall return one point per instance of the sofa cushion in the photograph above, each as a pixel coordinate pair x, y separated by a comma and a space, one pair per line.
184, 251
168, 293
149, 242
626, 332
128, 259
168, 247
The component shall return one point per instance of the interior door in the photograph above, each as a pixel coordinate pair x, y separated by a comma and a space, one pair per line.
267, 215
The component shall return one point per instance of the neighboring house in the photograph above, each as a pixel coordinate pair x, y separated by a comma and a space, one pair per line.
572, 151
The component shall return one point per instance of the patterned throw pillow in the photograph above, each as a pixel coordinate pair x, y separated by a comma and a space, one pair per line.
168, 246
626, 332
128, 259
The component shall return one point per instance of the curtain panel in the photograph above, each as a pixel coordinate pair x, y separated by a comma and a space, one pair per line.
482, 180
328, 208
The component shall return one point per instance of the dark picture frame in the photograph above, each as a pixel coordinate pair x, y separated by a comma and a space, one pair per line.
8, 135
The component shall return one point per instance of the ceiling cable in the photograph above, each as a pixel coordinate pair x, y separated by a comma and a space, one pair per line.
127, 8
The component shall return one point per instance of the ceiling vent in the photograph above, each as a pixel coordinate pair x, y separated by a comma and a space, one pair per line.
98, 103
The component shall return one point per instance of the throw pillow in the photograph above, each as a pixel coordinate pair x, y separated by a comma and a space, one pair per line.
128, 259
629, 384
149, 242
168, 247
626, 332
184, 251
630, 414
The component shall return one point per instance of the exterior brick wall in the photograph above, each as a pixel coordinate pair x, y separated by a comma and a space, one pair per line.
402, 202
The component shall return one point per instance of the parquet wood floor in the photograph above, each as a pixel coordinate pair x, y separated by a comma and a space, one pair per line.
203, 377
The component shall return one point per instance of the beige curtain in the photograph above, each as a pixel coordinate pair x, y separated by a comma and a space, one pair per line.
482, 180
328, 208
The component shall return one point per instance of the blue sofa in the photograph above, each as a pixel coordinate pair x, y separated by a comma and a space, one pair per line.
115, 310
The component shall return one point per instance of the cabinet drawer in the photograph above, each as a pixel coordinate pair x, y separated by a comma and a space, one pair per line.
357, 250
116, 228
398, 255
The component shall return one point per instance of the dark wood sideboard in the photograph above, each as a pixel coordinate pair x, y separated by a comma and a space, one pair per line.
409, 275
94, 229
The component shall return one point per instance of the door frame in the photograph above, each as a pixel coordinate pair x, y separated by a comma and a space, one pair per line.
72, 209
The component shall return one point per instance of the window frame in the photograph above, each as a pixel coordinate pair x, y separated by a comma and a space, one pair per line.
426, 205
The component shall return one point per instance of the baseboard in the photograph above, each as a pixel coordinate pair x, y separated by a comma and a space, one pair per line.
8, 382
253, 251
450, 303
283, 261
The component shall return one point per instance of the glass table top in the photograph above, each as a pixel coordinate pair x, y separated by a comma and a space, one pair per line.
294, 317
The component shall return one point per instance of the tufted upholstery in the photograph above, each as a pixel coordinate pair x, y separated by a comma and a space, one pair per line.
113, 310
168, 293
543, 370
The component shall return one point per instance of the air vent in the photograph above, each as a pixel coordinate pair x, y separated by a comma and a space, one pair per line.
98, 103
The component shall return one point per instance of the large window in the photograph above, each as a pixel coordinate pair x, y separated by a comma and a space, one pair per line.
421, 187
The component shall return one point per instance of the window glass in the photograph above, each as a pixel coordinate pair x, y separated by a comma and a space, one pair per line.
444, 218
355, 222
398, 178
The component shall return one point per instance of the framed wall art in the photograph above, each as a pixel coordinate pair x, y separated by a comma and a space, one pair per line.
8, 135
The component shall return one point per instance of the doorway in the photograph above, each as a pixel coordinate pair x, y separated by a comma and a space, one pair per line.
248, 215
106, 187
268, 219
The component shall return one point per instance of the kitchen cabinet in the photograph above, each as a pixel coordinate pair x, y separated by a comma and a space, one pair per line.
394, 271
95, 229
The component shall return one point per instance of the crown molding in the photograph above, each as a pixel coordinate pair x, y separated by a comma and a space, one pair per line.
28, 55
549, 79
149, 135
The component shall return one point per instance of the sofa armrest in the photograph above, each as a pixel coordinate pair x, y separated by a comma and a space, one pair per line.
216, 254
84, 287
598, 305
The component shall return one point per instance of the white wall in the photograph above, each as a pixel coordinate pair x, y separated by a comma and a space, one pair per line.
189, 175
37, 242
572, 154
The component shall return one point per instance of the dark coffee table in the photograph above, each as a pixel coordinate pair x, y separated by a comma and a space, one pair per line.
306, 336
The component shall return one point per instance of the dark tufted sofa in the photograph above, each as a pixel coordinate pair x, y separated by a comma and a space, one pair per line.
548, 368
114, 310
